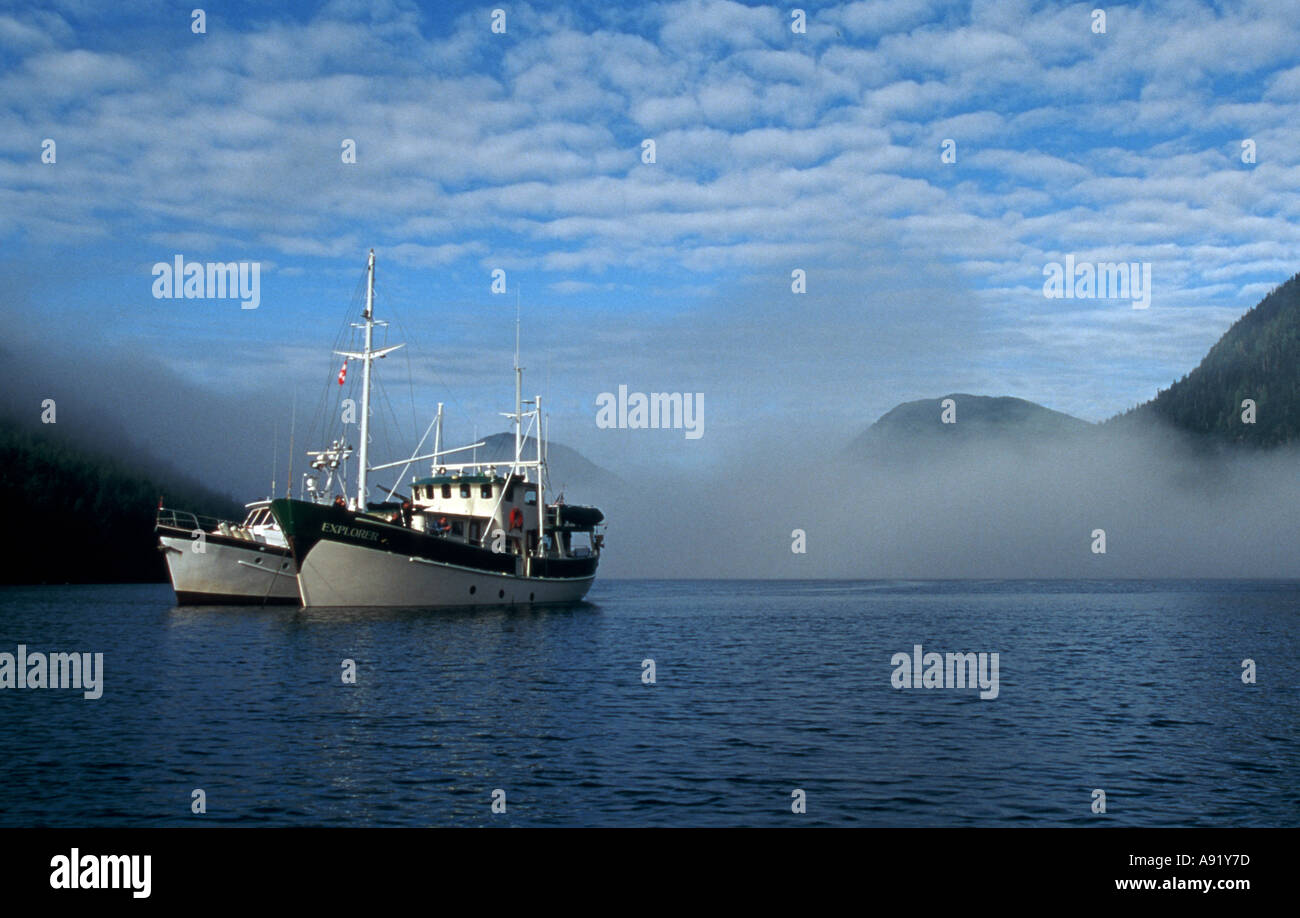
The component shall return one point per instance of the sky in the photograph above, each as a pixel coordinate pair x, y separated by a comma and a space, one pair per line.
524, 150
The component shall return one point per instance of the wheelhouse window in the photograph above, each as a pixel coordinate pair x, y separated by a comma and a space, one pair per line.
530, 497
446, 490
464, 490
485, 491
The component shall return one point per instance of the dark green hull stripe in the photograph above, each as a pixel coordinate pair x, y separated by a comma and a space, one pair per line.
306, 524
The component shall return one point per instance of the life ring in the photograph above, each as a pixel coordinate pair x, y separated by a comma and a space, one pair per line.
516, 518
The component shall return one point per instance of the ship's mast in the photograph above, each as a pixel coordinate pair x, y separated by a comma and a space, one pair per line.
541, 479
369, 317
367, 356
519, 382
437, 433
275, 455
293, 422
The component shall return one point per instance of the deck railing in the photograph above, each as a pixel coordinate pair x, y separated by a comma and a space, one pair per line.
183, 519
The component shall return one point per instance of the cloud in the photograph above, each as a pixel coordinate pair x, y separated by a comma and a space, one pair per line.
773, 151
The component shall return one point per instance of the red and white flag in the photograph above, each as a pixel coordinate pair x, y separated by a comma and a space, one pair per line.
343, 373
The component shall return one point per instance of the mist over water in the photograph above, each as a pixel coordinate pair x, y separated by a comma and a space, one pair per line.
986, 510
1000, 508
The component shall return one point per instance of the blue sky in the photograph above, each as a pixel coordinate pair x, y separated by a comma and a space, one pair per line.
774, 151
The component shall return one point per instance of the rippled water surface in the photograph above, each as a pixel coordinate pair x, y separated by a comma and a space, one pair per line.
761, 688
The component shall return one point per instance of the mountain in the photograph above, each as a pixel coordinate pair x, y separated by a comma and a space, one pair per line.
1258, 358
568, 468
86, 516
918, 427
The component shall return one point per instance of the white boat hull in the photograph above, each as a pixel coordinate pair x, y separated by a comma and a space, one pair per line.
224, 573
338, 574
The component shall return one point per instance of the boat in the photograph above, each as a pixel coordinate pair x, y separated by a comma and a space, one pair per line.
222, 562
215, 562
470, 534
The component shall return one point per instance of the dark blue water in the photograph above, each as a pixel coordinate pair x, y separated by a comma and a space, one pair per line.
762, 687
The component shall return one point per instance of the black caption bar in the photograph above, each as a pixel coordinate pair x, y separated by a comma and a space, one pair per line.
335, 866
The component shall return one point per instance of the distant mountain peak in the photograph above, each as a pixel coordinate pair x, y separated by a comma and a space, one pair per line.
567, 465
960, 417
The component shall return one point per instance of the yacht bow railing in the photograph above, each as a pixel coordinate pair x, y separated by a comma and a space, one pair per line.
183, 519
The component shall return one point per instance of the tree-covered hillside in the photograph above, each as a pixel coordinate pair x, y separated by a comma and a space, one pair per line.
78, 515
1258, 359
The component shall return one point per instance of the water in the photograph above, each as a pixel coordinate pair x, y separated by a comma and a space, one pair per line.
762, 687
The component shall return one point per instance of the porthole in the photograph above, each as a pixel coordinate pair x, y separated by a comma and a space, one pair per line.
501, 594
472, 590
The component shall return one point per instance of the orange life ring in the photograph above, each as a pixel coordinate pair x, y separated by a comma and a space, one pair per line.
516, 518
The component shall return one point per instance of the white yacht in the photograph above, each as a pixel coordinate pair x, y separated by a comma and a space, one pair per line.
213, 561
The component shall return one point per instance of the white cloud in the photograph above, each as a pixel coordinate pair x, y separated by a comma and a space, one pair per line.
525, 150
